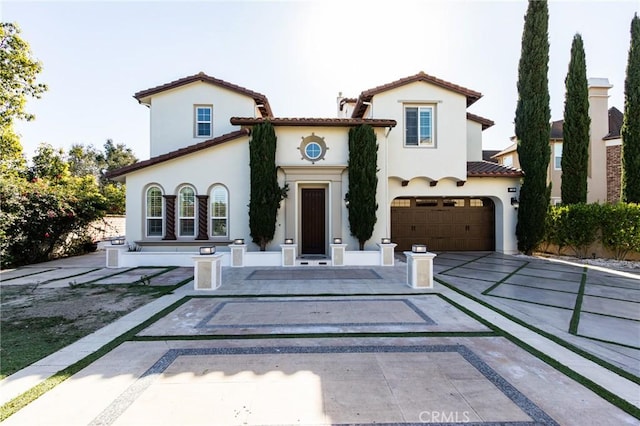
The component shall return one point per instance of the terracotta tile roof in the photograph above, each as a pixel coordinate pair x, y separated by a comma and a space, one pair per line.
615, 123
320, 122
486, 123
178, 153
367, 95
261, 100
488, 169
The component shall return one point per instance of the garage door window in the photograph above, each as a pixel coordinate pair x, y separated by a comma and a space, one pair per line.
426, 202
457, 202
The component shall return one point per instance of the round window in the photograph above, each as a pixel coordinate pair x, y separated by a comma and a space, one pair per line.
313, 150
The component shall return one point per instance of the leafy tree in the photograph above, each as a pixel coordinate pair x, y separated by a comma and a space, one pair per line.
85, 161
18, 72
363, 182
575, 150
631, 125
12, 161
266, 194
532, 126
116, 156
49, 163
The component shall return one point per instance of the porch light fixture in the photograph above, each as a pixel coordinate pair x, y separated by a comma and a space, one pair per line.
117, 241
337, 241
238, 241
288, 240
419, 248
514, 202
207, 250
385, 241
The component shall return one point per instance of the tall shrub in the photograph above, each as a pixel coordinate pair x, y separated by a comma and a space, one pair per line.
621, 228
363, 182
575, 150
631, 124
532, 126
266, 194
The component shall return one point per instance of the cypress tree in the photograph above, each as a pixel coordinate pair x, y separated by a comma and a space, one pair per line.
575, 150
631, 124
266, 194
532, 126
363, 182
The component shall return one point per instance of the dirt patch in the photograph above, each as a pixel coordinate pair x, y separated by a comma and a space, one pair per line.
36, 321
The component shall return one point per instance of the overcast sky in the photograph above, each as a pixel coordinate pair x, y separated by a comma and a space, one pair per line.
299, 54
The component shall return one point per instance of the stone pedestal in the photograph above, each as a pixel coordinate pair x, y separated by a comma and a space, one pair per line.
237, 255
289, 254
387, 257
337, 254
113, 255
207, 272
420, 269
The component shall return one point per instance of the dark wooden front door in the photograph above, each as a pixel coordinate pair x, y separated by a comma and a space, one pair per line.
313, 221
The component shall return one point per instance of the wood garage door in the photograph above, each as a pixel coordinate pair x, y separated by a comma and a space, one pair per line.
443, 224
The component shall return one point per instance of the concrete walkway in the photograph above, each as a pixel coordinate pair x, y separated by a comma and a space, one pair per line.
357, 351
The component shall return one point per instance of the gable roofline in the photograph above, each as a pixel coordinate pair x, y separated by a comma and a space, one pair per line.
178, 153
366, 96
261, 100
490, 169
616, 118
318, 122
485, 122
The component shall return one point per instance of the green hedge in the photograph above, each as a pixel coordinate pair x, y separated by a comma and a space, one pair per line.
578, 226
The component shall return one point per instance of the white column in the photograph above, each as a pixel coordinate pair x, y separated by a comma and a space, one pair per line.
289, 254
420, 269
207, 272
237, 255
337, 254
387, 254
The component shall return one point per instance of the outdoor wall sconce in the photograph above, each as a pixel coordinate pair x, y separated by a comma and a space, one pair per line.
514, 202
207, 250
288, 240
419, 248
337, 241
118, 241
238, 241
385, 241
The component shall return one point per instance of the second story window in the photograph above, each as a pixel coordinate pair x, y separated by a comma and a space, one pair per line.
203, 121
419, 126
557, 156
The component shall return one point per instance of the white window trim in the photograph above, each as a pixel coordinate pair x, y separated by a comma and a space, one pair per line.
555, 155
212, 213
196, 121
179, 212
147, 216
420, 105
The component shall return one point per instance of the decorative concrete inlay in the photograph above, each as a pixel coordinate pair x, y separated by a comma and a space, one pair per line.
82, 279
172, 277
7, 275
316, 313
331, 393
314, 274
610, 329
535, 295
612, 307
620, 293
466, 272
530, 281
131, 276
365, 314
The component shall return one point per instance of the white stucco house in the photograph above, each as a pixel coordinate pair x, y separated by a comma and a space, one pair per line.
433, 187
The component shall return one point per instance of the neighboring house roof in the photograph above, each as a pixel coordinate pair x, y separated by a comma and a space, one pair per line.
261, 100
556, 129
486, 123
488, 154
615, 124
320, 122
347, 101
178, 153
489, 169
367, 95
507, 150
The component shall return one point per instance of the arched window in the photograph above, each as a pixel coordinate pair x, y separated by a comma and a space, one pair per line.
219, 212
154, 213
187, 211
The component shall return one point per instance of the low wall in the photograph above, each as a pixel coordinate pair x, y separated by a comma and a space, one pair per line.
595, 250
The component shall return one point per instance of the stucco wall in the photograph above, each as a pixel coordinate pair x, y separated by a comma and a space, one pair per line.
172, 114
